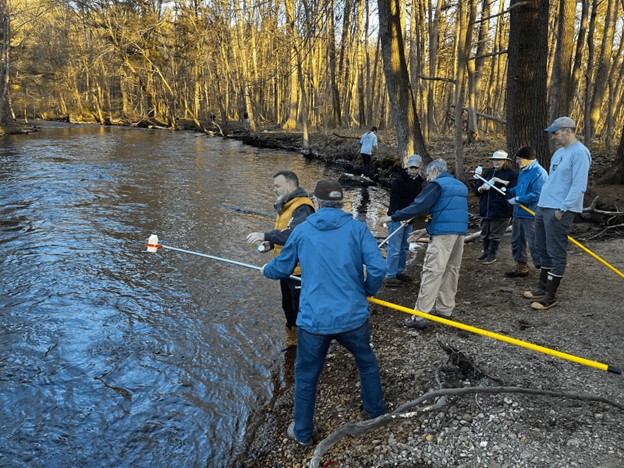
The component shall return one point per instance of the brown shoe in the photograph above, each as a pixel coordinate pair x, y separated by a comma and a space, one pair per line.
521, 271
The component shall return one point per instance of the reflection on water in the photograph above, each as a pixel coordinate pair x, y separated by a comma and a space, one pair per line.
113, 356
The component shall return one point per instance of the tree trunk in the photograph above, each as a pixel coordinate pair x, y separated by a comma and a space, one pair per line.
526, 78
291, 123
604, 66
561, 93
5, 62
402, 104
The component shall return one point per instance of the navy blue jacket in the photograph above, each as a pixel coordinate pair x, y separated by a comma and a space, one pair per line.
492, 203
446, 200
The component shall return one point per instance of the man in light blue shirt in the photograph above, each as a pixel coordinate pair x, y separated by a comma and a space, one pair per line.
368, 142
560, 200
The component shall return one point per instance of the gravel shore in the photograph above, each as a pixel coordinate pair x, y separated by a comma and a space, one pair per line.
479, 429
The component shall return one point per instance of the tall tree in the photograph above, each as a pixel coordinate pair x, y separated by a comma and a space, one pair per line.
561, 92
526, 77
5, 60
402, 103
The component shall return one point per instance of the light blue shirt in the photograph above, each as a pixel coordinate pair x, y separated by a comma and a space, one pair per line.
567, 179
368, 141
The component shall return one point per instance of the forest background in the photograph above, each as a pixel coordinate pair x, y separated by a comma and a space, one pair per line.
465, 69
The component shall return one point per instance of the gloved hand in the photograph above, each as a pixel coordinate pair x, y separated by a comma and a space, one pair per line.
484, 187
478, 170
512, 201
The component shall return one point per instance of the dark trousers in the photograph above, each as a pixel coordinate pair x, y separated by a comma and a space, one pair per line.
366, 158
291, 289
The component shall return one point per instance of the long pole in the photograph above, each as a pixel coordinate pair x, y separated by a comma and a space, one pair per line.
403, 224
153, 246
496, 336
574, 241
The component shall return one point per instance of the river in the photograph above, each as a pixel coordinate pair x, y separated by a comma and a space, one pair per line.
112, 356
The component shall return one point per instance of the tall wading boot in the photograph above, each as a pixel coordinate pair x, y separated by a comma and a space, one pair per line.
486, 250
539, 290
291, 337
549, 300
491, 257
521, 271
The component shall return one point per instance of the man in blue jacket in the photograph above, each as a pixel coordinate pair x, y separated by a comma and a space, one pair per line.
446, 200
526, 192
340, 266
561, 199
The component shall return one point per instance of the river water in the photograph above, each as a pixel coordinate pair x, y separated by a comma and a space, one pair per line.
112, 356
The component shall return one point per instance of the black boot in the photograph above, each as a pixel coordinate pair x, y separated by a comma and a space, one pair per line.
486, 250
491, 257
550, 292
539, 290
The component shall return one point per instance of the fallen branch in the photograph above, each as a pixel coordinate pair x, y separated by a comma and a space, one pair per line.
402, 412
592, 209
605, 230
346, 137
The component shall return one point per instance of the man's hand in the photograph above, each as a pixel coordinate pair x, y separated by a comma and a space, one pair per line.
255, 238
262, 269
512, 201
559, 214
484, 188
385, 220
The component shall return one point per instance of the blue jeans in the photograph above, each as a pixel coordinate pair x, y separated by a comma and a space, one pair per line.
551, 239
397, 249
523, 233
311, 353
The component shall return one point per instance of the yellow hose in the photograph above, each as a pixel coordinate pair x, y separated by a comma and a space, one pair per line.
496, 336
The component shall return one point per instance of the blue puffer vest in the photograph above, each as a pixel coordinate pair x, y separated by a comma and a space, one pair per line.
450, 212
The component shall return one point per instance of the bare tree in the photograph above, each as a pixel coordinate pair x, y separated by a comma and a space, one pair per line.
526, 77
402, 103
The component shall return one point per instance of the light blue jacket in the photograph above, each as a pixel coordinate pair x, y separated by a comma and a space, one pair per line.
567, 180
527, 190
368, 142
332, 249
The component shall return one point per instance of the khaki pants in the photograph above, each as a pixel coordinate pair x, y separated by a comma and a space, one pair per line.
438, 284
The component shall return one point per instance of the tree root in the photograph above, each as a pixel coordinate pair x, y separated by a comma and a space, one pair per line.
355, 429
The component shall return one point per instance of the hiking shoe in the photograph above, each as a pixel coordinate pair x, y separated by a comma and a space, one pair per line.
516, 274
405, 278
483, 256
393, 282
291, 435
418, 323
489, 259
521, 271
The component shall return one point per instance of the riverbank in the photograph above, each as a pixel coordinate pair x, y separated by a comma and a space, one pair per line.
501, 429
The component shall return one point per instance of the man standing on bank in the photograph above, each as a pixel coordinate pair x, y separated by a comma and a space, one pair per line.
341, 266
368, 142
293, 207
446, 200
561, 199
405, 188
531, 178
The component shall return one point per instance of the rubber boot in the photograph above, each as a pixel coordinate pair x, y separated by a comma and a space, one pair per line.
521, 271
550, 294
291, 337
491, 257
486, 250
539, 290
